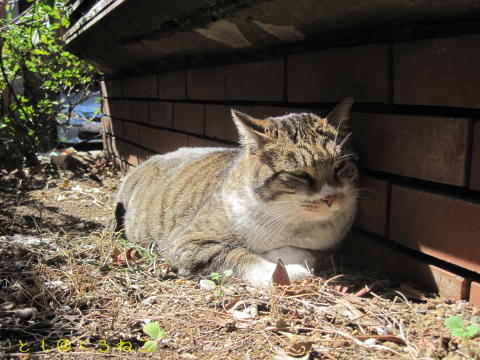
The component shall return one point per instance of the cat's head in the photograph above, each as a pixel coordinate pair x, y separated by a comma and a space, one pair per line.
302, 163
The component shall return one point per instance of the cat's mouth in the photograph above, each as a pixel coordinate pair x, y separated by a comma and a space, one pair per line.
323, 204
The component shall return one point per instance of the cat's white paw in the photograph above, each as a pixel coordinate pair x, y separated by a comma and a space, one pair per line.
291, 255
296, 271
261, 273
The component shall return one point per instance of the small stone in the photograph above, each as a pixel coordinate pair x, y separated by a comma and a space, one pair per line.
26, 313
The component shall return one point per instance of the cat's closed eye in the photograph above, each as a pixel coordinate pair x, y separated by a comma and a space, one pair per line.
302, 175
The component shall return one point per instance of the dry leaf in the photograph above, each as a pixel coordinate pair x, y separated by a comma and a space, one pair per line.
391, 338
299, 349
122, 258
411, 292
249, 311
132, 255
367, 288
280, 275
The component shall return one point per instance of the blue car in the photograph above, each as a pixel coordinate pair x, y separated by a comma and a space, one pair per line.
84, 123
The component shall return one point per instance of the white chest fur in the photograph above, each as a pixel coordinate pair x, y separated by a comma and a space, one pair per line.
268, 228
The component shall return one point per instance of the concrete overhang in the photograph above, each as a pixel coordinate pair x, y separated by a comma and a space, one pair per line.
120, 35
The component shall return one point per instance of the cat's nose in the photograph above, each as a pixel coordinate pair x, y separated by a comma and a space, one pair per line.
329, 200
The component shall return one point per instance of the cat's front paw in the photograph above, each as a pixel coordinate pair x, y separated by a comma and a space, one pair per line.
261, 273
296, 271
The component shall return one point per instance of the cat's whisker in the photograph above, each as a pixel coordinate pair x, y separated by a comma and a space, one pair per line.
278, 230
336, 133
270, 221
344, 140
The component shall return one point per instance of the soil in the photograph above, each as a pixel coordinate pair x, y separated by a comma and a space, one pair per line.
71, 289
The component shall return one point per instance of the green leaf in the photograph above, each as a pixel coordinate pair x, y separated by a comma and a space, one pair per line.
460, 332
40, 52
151, 346
472, 330
228, 273
154, 330
454, 322
215, 276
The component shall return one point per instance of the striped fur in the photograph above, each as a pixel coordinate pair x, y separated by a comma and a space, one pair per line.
288, 192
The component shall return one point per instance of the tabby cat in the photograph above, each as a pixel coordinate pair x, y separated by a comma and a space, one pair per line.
287, 192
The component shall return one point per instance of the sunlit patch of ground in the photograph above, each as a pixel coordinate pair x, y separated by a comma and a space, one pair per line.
75, 290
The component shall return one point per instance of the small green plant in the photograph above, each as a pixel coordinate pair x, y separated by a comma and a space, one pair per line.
457, 328
221, 278
217, 280
156, 333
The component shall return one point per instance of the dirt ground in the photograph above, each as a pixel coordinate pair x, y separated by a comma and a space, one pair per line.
71, 289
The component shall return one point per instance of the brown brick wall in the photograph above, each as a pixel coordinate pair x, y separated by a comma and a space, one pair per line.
380, 257
260, 81
172, 85
442, 226
189, 118
475, 167
206, 83
415, 124
329, 75
423, 147
438, 72
218, 123
373, 205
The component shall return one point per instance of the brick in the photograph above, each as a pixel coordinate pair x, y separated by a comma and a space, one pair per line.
475, 164
147, 86
131, 132
117, 162
160, 113
378, 256
107, 145
119, 109
206, 83
137, 155
139, 111
423, 147
121, 149
440, 226
111, 88
438, 72
475, 294
113, 145
189, 118
105, 107
219, 123
106, 125
195, 141
117, 127
130, 87
260, 81
262, 112
172, 85
330, 75
162, 141
372, 212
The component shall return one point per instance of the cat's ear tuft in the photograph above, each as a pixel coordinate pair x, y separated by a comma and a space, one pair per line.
252, 131
341, 113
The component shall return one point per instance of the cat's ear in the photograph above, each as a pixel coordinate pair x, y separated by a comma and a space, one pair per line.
339, 116
252, 131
